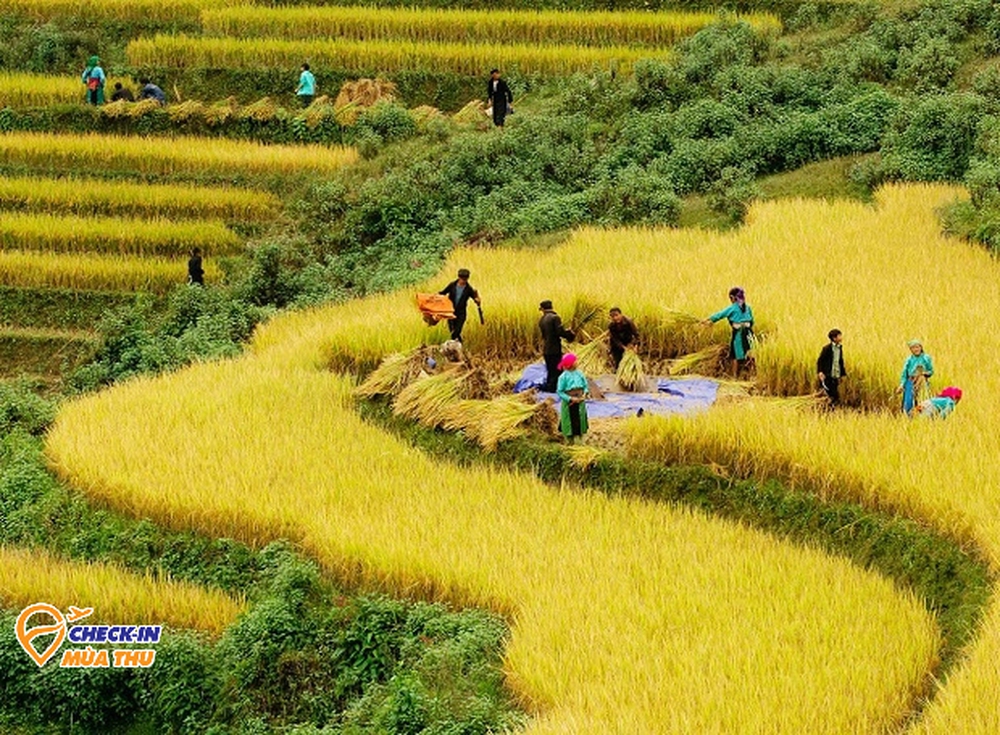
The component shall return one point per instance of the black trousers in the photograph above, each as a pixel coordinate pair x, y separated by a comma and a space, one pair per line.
455, 326
575, 425
617, 353
551, 372
833, 389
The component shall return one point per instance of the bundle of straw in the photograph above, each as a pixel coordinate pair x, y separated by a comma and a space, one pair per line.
631, 377
584, 457
707, 359
489, 422
429, 399
394, 373
592, 358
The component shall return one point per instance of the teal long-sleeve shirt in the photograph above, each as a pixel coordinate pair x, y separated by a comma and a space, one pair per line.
913, 362
568, 380
734, 314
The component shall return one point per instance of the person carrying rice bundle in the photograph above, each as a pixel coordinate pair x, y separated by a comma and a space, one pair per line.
941, 406
573, 392
914, 383
621, 334
740, 317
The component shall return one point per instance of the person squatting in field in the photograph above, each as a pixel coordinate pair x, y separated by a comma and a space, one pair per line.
499, 96
740, 317
914, 383
459, 292
830, 366
573, 391
622, 333
941, 406
553, 333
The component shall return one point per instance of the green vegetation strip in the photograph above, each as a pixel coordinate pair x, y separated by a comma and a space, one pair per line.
56, 308
954, 583
305, 654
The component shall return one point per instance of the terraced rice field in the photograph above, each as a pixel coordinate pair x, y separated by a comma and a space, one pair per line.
626, 617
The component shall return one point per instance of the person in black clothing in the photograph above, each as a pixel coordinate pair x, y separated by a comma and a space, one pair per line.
459, 291
621, 333
196, 275
830, 366
553, 333
498, 93
122, 93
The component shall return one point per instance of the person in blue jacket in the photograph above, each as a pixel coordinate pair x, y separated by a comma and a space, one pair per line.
914, 383
940, 406
94, 79
740, 317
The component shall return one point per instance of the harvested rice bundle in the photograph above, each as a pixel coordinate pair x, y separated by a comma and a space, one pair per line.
584, 457
631, 377
592, 358
706, 360
585, 312
428, 399
546, 418
393, 374
506, 418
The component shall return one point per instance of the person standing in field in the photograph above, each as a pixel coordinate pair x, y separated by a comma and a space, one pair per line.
830, 366
196, 274
914, 383
306, 91
740, 317
573, 392
621, 334
553, 333
459, 292
499, 96
94, 79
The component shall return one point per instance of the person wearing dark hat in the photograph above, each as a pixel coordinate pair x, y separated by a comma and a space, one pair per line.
459, 291
553, 333
498, 93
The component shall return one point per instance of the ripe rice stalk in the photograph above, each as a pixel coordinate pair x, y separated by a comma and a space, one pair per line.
427, 399
365, 93
187, 110
705, 361
131, 11
631, 376
136, 110
592, 358
167, 156
583, 456
83, 196
496, 25
505, 418
394, 373
380, 56
20, 89
262, 110
586, 311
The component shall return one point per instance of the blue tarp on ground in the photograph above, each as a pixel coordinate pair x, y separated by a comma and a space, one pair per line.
670, 397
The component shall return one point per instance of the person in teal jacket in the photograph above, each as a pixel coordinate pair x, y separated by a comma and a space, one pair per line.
740, 317
914, 383
306, 91
94, 79
572, 390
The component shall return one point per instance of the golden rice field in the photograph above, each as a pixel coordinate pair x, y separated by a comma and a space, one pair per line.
494, 26
115, 235
94, 196
117, 596
21, 89
377, 56
120, 10
627, 616
85, 271
166, 156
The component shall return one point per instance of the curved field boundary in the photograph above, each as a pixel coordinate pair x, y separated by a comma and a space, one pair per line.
117, 595
162, 156
85, 271
378, 56
93, 196
437, 25
627, 617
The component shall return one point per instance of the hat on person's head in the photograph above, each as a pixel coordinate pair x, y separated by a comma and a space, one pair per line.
545, 305
952, 392
463, 273
568, 361
915, 343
